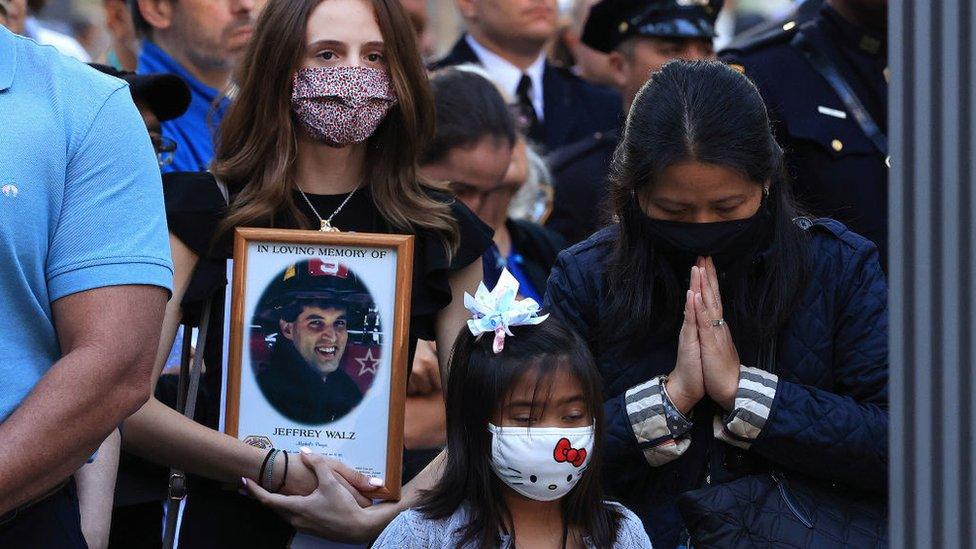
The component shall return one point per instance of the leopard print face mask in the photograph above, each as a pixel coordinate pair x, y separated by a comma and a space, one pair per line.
341, 106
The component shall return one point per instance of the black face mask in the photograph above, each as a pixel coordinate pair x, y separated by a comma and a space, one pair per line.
726, 242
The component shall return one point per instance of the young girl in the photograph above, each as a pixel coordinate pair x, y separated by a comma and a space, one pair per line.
524, 438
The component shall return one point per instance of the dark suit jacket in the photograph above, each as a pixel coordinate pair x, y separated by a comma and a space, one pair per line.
574, 108
580, 206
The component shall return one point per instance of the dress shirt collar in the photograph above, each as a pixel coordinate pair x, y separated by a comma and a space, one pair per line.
507, 75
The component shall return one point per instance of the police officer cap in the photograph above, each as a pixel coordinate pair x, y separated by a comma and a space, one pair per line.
613, 21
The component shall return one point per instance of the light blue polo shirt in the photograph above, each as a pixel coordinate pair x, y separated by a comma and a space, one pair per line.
81, 204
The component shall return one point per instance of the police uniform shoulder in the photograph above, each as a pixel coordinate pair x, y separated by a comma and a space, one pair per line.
601, 102
769, 36
566, 155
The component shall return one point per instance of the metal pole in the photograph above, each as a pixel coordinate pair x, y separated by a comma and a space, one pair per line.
931, 121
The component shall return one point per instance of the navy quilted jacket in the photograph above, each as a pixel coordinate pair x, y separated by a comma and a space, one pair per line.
828, 419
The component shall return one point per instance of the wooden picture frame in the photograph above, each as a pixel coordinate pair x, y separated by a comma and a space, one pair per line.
291, 377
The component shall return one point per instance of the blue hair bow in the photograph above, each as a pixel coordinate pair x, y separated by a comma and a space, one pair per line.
498, 310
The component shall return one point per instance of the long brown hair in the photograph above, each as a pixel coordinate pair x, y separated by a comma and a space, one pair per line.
258, 141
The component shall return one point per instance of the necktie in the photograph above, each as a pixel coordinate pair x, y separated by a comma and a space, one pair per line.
528, 119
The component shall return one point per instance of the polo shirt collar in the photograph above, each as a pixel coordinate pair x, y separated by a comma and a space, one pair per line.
153, 59
8, 58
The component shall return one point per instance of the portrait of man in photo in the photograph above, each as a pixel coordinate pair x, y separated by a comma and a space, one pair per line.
315, 342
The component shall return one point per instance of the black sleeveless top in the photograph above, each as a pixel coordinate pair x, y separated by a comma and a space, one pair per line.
195, 206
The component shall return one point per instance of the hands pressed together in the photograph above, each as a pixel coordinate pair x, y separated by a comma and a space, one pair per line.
708, 363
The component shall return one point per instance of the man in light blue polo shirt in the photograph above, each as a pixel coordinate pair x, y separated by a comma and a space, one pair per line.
85, 276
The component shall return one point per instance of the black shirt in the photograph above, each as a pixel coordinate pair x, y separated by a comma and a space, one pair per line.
195, 207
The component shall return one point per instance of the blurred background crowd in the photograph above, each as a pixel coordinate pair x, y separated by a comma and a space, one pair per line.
101, 31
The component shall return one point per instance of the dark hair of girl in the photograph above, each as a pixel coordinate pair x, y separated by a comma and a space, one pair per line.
702, 111
478, 384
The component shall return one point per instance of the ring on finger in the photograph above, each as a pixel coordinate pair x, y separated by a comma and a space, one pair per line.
718, 322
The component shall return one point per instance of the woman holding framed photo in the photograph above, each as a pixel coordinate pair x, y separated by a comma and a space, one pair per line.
331, 110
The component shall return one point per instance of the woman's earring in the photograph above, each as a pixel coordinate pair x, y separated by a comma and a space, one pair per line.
766, 191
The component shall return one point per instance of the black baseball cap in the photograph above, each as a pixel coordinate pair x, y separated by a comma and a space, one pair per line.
166, 95
613, 21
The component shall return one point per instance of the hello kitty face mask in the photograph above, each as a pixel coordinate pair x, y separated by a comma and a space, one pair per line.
341, 106
541, 463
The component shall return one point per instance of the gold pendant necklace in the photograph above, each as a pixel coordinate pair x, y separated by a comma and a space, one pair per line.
326, 224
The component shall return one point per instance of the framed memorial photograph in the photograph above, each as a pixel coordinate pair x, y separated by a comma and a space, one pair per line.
317, 355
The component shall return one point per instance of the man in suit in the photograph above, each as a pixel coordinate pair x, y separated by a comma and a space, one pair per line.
508, 38
825, 81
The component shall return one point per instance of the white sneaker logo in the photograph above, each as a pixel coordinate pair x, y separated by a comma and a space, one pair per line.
10, 190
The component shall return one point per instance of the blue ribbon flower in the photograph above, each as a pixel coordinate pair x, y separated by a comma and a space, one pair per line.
496, 311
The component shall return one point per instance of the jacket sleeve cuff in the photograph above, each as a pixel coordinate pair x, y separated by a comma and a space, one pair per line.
663, 432
753, 403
